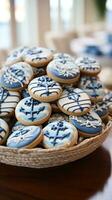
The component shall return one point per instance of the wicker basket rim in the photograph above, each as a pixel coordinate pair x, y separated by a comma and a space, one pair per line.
41, 150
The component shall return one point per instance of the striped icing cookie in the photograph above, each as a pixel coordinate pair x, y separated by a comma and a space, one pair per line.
8, 101
25, 137
59, 134
32, 112
4, 131
88, 65
93, 87
16, 56
16, 76
74, 101
38, 56
44, 89
88, 125
63, 71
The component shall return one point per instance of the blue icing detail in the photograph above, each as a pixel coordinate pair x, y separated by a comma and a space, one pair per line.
23, 136
25, 93
13, 78
101, 109
87, 124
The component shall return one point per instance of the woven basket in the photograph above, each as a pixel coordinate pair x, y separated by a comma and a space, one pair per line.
42, 158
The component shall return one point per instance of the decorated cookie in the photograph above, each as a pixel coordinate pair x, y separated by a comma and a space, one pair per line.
32, 112
93, 87
16, 56
58, 117
101, 109
74, 101
38, 56
39, 71
8, 102
25, 93
44, 89
88, 125
27, 137
17, 126
4, 131
59, 134
88, 65
108, 101
63, 71
16, 76
63, 56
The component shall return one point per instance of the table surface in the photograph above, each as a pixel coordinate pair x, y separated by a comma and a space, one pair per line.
87, 179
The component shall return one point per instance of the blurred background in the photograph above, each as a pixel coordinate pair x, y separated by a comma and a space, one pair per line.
72, 26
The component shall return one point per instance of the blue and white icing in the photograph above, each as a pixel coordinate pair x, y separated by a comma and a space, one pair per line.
74, 100
38, 54
16, 55
17, 126
44, 87
59, 134
100, 108
108, 98
92, 86
88, 64
31, 111
8, 101
23, 137
63, 69
89, 123
17, 76
4, 130
64, 56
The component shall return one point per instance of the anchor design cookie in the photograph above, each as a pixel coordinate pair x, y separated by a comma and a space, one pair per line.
4, 131
88, 125
8, 102
26, 137
93, 87
32, 112
88, 65
63, 71
59, 134
38, 56
17, 76
74, 101
44, 89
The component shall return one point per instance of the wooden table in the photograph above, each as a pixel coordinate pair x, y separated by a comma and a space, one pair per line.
87, 179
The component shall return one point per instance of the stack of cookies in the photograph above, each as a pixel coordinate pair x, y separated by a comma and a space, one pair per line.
50, 98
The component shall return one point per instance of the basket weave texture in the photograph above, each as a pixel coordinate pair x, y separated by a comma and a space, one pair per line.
43, 158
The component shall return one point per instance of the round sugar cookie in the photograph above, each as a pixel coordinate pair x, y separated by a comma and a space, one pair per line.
16, 56
32, 112
64, 56
8, 102
38, 56
59, 134
74, 101
25, 137
4, 131
44, 89
63, 71
88, 125
17, 76
88, 65
93, 87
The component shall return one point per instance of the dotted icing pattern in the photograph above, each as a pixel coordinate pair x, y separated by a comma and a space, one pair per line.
74, 100
58, 133
23, 136
8, 101
63, 69
88, 64
16, 76
89, 123
92, 86
32, 110
44, 86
